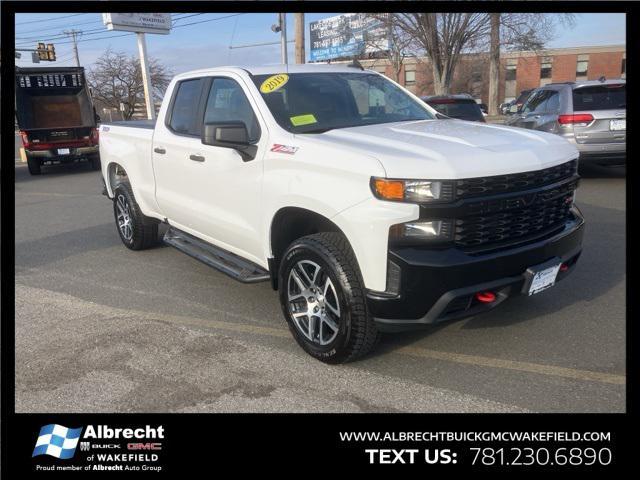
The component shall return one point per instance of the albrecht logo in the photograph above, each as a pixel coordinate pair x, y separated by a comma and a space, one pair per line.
57, 441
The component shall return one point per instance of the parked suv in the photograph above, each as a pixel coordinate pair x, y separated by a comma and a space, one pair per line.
591, 115
462, 107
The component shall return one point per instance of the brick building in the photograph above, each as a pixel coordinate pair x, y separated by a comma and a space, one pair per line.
518, 70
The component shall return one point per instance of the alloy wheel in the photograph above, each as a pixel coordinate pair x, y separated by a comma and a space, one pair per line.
313, 302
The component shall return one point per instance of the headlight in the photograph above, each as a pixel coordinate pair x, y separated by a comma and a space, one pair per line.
416, 191
417, 231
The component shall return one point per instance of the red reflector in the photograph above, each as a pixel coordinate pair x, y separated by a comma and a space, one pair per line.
579, 118
24, 138
564, 267
486, 297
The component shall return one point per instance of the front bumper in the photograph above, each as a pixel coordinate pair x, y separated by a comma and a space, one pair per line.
440, 285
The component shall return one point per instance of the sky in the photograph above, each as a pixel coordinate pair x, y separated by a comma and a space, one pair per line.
203, 40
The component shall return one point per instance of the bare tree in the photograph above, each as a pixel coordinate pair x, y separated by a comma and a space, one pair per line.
444, 37
494, 63
116, 78
399, 44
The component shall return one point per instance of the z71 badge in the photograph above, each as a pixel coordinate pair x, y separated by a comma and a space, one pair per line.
284, 149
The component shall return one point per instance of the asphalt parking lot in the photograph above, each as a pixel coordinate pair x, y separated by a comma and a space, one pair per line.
100, 328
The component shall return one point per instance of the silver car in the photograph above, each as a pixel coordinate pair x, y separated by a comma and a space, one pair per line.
590, 114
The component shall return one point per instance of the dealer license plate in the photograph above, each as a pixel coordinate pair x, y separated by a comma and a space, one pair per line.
544, 279
63, 151
618, 124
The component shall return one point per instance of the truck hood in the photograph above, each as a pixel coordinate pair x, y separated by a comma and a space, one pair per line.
452, 149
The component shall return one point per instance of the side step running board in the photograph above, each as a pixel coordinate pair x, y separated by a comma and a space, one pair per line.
227, 262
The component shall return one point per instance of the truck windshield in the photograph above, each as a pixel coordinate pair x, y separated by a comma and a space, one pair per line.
318, 102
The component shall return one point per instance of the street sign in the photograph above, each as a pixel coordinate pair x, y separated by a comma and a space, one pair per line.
138, 22
35, 57
346, 35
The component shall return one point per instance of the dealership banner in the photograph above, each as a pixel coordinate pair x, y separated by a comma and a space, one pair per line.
166, 445
346, 35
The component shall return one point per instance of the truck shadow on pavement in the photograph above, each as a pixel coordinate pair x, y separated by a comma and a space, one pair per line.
51, 171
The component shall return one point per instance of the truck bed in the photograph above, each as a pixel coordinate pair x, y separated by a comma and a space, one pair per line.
130, 143
149, 124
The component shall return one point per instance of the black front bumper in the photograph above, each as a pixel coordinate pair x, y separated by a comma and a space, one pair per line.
440, 285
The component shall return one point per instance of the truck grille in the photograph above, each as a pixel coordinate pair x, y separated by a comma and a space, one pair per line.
475, 187
544, 216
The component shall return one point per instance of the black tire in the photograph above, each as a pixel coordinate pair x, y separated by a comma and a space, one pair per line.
357, 333
143, 230
34, 165
95, 162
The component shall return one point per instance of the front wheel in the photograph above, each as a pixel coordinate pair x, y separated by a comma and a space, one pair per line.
323, 299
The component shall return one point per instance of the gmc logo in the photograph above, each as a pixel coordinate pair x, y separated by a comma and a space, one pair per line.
144, 446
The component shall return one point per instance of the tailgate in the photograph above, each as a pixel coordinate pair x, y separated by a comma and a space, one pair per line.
607, 105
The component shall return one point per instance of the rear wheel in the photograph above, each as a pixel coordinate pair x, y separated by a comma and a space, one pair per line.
323, 299
136, 231
95, 162
34, 165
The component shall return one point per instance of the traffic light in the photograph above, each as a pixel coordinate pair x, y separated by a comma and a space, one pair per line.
42, 51
46, 52
51, 52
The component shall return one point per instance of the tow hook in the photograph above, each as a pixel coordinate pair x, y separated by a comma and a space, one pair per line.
486, 297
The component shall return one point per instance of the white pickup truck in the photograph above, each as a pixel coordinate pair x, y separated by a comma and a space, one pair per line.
364, 207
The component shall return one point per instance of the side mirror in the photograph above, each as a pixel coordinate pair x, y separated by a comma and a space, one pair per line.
513, 108
229, 135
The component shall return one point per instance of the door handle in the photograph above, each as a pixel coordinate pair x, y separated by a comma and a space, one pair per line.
159, 150
196, 158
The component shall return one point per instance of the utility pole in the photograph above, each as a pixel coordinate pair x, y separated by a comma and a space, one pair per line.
299, 22
73, 34
283, 37
146, 76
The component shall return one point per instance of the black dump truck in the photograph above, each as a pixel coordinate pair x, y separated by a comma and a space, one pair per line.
56, 117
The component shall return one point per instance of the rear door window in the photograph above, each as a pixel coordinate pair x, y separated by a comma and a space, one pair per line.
599, 97
185, 107
553, 103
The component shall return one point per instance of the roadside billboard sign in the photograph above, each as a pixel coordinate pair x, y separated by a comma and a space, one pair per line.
346, 35
138, 22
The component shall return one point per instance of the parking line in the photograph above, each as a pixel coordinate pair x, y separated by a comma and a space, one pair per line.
460, 358
549, 370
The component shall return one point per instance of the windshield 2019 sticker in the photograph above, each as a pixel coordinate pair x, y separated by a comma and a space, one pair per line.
301, 120
274, 82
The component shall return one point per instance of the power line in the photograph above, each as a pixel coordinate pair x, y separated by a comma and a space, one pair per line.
50, 18
131, 33
57, 27
94, 31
